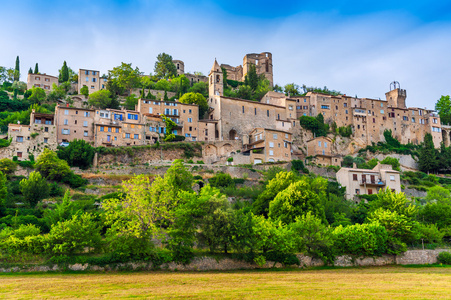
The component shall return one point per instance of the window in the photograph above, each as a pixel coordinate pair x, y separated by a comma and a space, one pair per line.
434, 121
187, 135
94, 73
85, 133
274, 136
190, 120
109, 129
86, 114
19, 139
150, 110
436, 129
413, 120
370, 191
345, 104
267, 113
94, 79
354, 177
37, 78
65, 131
271, 152
66, 122
92, 87
66, 112
286, 135
255, 111
319, 143
48, 122
325, 107
392, 177
132, 117
136, 136
357, 191
85, 123
290, 107
243, 109
87, 79
285, 144
305, 100
189, 111
102, 128
46, 140
118, 117
19, 154
117, 130
271, 145
127, 135
325, 144
86, 72
46, 129
405, 118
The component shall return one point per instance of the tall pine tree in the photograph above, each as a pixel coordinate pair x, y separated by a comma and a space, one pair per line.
427, 158
36, 69
30, 71
17, 70
64, 73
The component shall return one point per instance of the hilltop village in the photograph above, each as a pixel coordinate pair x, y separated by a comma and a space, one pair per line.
232, 130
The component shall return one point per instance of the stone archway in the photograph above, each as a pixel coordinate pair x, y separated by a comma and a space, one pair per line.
232, 135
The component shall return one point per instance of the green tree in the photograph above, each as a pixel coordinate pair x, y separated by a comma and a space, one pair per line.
36, 69
79, 153
164, 67
221, 180
101, 99
57, 93
251, 78
17, 70
62, 211
244, 92
198, 99
443, 107
427, 156
163, 85
3, 189
170, 126
30, 71
361, 239
131, 102
75, 235
297, 199
394, 162
51, 167
37, 95
292, 89
63, 73
279, 183
125, 76
199, 87
34, 189
84, 91
180, 85
313, 237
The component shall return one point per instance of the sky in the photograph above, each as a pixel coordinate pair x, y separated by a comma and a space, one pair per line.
355, 47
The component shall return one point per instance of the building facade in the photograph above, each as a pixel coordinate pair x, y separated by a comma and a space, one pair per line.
43, 81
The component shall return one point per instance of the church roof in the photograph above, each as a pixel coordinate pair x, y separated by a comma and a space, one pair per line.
216, 67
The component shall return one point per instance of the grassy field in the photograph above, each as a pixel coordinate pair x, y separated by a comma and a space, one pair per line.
367, 283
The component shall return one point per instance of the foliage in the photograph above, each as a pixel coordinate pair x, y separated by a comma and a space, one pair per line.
170, 126
84, 90
51, 167
74, 235
101, 99
427, 157
3, 190
164, 67
37, 95
444, 257
298, 165
63, 73
361, 239
131, 102
198, 99
297, 199
7, 166
345, 131
79, 153
199, 88
314, 124
443, 107
394, 162
34, 189
221, 180
125, 77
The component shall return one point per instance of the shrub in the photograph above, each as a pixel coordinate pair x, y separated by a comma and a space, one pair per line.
444, 258
79, 153
361, 239
221, 180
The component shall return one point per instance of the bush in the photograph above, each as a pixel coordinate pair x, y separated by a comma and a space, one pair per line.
444, 258
74, 180
361, 239
79, 153
345, 131
221, 180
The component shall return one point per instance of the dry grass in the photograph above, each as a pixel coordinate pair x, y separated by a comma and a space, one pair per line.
368, 283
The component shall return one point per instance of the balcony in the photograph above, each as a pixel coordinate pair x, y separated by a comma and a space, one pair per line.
372, 182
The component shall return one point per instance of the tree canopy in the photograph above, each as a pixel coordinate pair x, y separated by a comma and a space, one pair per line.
164, 67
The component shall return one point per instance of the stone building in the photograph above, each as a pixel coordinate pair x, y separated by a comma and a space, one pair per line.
193, 78
268, 145
43, 81
262, 62
364, 181
186, 116
322, 150
91, 79
32, 139
74, 123
365, 116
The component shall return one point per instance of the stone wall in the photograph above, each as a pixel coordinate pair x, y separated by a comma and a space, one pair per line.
411, 257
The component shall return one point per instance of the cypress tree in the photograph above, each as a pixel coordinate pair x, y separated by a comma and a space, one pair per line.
17, 70
427, 157
64, 73
30, 71
36, 69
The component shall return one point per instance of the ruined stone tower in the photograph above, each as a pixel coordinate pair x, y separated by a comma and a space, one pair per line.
396, 97
262, 62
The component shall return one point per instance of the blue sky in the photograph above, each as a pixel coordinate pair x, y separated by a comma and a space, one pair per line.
356, 47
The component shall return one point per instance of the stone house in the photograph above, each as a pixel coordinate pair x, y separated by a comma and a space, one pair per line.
323, 151
32, 139
74, 123
186, 116
262, 62
43, 81
364, 181
268, 145
91, 79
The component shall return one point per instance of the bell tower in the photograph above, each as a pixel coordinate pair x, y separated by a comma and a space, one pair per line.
216, 86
